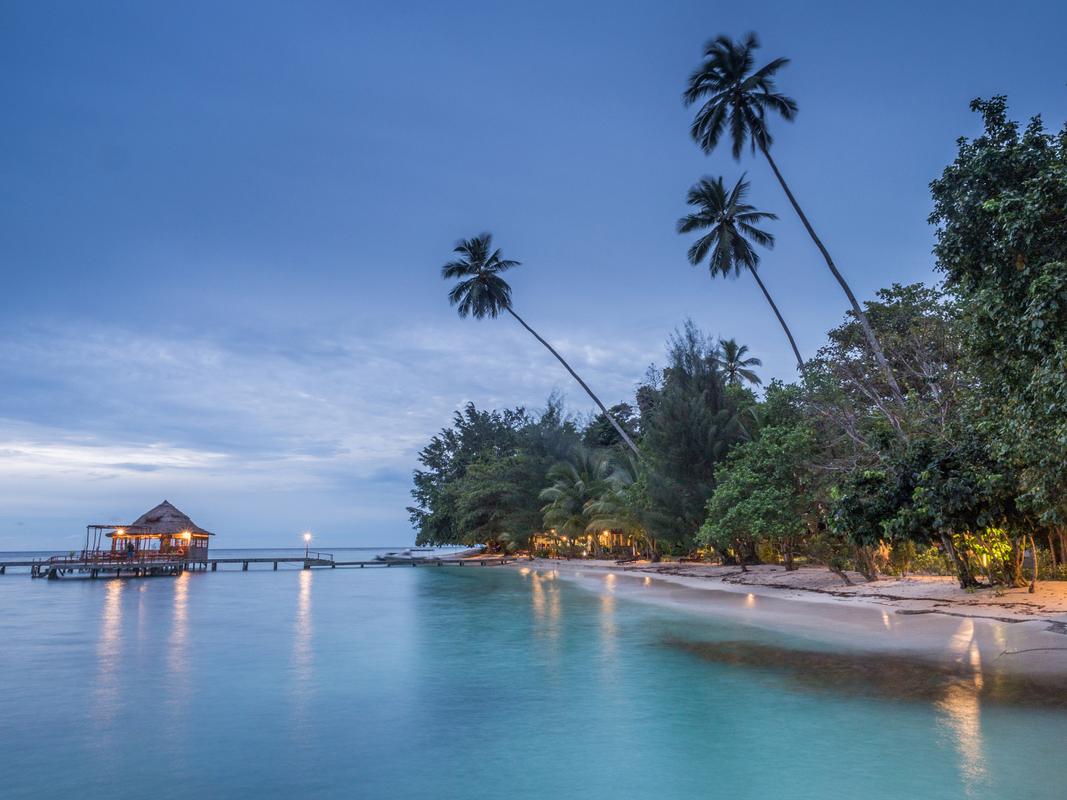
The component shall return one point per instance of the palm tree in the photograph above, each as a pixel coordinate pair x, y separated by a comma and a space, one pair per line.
738, 97
730, 223
732, 361
618, 509
481, 292
577, 481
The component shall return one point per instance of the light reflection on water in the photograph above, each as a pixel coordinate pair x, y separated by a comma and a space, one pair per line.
960, 708
303, 656
109, 655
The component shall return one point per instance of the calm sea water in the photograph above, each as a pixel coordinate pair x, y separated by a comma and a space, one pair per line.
466, 683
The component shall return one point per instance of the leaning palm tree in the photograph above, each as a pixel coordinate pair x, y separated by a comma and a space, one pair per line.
481, 292
735, 367
738, 97
730, 224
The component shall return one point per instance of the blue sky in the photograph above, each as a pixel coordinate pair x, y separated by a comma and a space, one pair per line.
221, 227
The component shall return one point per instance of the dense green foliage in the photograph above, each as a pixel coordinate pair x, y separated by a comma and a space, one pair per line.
1001, 208
928, 432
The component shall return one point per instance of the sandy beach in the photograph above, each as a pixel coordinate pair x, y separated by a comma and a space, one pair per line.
1000, 630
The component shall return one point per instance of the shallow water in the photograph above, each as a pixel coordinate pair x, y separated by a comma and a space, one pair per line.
473, 683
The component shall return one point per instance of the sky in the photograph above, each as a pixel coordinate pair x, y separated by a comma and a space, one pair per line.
222, 225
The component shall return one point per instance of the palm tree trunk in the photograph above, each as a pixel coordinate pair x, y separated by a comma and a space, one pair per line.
611, 419
781, 320
872, 340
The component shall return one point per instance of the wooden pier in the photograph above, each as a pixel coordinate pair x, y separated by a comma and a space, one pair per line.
55, 568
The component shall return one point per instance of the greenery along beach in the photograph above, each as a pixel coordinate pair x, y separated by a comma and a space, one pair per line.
928, 433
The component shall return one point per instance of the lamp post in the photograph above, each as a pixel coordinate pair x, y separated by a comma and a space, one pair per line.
307, 544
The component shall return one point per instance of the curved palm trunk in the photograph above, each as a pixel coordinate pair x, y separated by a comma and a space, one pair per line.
588, 391
872, 340
781, 320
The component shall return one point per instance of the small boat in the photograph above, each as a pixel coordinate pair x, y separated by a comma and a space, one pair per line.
400, 557
412, 554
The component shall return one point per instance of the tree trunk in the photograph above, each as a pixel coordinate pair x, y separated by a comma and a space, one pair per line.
865, 561
781, 320
1018, 554
787, 556
610, 418
841, 574
1033, 555
872, 340
963, 569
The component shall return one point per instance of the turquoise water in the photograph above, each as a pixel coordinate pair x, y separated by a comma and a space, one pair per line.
463, 683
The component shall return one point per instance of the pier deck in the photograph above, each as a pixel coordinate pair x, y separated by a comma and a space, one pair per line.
131, 568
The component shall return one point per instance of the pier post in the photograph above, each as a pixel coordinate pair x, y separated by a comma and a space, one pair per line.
3, 569
275, 566
214, 566
244, 567
307, 564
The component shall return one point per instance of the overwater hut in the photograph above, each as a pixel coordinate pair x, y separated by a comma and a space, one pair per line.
164, 532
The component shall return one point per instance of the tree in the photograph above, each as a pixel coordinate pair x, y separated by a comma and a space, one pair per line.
600, 432
730, 223
764, 490
480, 478
475, 435
481, 292
735, 366
736, 96
847, 391
1001, 212
691, 423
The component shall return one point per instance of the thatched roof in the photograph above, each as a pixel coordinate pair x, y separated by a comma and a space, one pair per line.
165, 518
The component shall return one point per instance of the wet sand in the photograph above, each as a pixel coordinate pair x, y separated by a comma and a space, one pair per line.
999, 648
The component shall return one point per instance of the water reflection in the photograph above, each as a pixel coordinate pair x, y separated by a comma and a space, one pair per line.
303, 657
960, 710
546, 601
107, 686
176, 683
177, 655
958, 688
607, 614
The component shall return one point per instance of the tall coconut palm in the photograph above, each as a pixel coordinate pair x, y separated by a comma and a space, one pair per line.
735, 96
481, 292
730, 223
736, 368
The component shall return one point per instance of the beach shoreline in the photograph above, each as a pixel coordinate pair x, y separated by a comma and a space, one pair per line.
1008, 631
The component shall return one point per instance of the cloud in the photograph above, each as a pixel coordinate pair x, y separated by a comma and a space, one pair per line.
109, 418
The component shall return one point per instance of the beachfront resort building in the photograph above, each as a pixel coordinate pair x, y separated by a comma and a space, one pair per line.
164, 532
612, 544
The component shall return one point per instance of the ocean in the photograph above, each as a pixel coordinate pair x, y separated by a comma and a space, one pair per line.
471, 683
